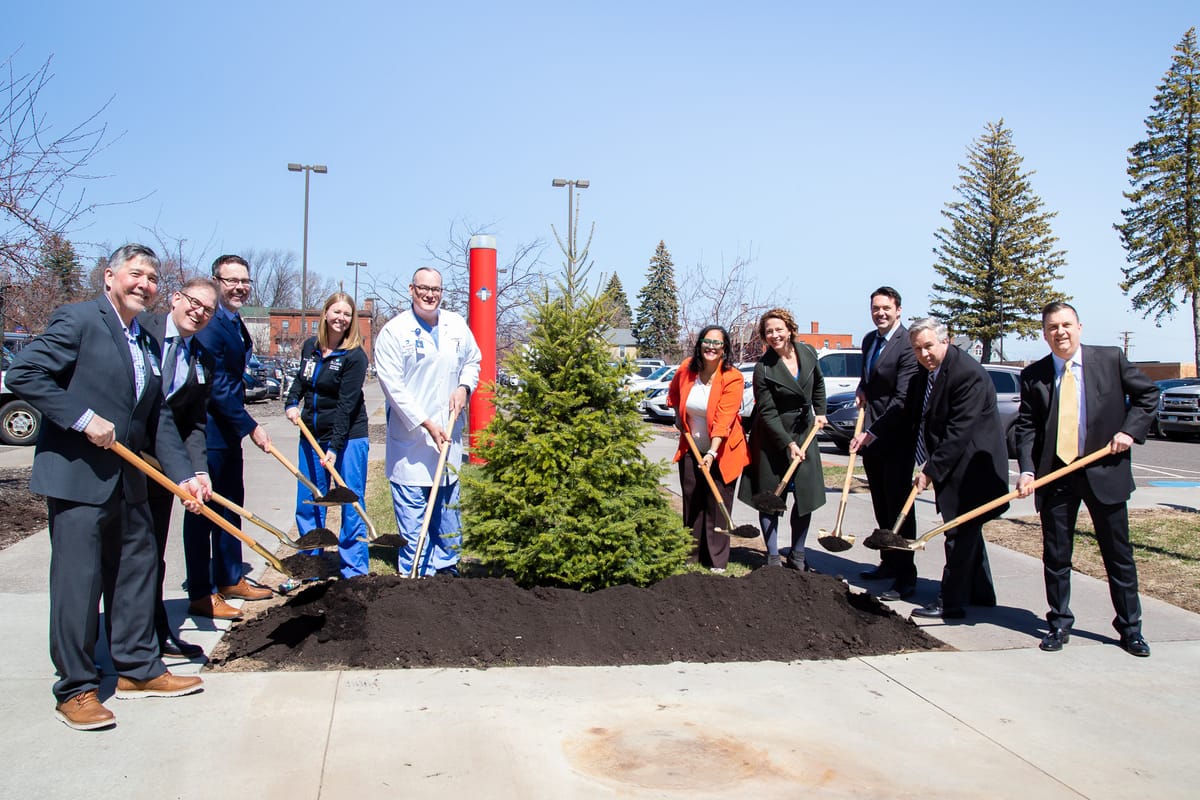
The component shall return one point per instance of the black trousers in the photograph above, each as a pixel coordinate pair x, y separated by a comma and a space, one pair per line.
890, 476
701, 514
161, 504
967, 576
101, 551
1059, 510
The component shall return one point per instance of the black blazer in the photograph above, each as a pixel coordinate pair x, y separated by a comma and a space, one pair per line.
82, 361
964, 438
885, 386
189, 403
1108, 379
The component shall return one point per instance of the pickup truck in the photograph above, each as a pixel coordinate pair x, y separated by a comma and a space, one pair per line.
19, 421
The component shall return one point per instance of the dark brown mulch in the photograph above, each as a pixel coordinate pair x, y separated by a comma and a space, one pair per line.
22, 513
381, 622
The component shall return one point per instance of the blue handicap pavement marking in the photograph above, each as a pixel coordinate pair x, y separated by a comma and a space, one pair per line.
1176, 484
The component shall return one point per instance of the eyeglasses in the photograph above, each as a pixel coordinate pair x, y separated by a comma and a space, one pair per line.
236, 281
199, 307
718, 343
433, 290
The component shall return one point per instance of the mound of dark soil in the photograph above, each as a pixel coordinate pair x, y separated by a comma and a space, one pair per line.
379, 622
22, 513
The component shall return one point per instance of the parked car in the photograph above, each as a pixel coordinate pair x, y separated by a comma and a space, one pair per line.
654, 405
20, 422
1178, 413
843, 413
636, 384
256, 390
841, 369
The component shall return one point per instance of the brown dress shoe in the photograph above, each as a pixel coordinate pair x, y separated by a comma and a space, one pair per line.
213, 606
244, 591
165, 685
84, 712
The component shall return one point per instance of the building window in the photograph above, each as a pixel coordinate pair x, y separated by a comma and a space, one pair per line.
826, 344
285, 325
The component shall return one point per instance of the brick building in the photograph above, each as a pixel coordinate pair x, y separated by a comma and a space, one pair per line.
286, 338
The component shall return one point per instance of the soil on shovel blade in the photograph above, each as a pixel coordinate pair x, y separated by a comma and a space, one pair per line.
380, 622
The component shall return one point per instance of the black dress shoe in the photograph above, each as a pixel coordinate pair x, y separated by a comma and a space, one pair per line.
1053, 641
1135, 645
877, 574
177, 648
898, 592
931, 611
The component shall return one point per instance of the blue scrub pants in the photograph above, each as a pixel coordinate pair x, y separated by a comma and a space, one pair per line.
352, 466
444, 540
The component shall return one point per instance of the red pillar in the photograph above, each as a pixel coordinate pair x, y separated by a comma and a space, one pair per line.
482, 320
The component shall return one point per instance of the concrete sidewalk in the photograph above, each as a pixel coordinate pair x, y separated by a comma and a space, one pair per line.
995, 718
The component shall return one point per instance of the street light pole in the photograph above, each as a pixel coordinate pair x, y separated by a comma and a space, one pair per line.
571, 186
307, 169
356, 265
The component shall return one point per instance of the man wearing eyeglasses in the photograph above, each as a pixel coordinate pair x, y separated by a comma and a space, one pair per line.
428, 365
214, 558
187, 370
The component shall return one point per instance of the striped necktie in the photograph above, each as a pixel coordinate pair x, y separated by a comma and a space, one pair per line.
922, 455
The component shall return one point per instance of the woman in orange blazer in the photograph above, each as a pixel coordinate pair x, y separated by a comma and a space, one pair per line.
706, 394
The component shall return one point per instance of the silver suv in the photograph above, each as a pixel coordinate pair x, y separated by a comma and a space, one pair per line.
1179, 412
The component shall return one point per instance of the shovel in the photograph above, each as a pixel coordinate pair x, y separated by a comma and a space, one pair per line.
889, 534
773, 502
836, 542
338, 495
317, 537
312, 440
433, 493
206, 512
744, 531
900, 543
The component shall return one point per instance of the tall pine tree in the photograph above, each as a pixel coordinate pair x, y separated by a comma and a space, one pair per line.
61, 268
1161, 232
997, 259
566, 496
657, 326
619, 315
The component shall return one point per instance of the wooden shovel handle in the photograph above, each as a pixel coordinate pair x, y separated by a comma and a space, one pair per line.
791, 470
433, 493
907, 507
841, 514
247, 514
1049, 477
708, 477
206, 512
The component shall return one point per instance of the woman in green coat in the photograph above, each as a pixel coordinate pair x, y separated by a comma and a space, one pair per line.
789, 397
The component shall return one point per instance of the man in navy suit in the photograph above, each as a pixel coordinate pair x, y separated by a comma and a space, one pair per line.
187, 374
1095, 381
95, 375
888, 442
961, 448
212, 557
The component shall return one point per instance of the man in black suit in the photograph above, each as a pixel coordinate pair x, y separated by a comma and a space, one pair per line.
187, 374
1073, 402
960, 442
212, 557
95, 376
888, 441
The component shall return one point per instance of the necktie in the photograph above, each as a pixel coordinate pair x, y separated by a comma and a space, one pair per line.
170, 361
922, 455
1068, 416
879, 343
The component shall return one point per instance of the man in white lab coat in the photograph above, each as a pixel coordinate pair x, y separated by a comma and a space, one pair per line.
428, 365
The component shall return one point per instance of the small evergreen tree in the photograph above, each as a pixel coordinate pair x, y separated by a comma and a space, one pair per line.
657, 326
997, 259
567, 497
1161, 233
60, 265
619, 314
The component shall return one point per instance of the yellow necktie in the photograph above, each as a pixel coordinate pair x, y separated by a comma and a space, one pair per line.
1068, 416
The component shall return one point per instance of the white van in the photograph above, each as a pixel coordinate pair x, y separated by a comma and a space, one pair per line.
842, 369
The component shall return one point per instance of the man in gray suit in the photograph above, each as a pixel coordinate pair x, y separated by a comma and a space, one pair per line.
96, 378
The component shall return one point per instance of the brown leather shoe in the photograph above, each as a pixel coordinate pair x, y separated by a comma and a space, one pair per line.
165, 685
214, 607
244, 591
85, 712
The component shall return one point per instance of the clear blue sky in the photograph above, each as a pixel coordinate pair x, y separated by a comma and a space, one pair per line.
826, 139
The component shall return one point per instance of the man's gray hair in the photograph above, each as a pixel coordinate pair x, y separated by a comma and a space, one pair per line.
933, 324
131, 252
